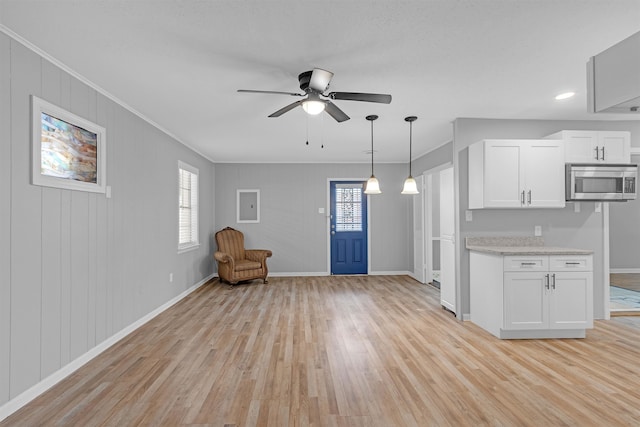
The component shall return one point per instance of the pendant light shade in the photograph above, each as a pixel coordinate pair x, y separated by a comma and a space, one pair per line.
410, 186
373, 186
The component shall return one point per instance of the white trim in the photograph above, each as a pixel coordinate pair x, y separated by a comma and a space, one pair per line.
466, 317
606, 294
36, 390
624, 270
390, 273
326, 273
438, 168
328, 221
41, 107
95, 87
635, 151
194, 213
301, 274
248, 191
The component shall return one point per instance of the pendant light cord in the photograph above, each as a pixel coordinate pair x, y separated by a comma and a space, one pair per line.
371, 147
410, 143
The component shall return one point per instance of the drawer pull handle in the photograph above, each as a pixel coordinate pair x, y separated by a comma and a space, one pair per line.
527, 263
571, 263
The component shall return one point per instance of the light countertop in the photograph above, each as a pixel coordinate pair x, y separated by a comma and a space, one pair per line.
519, 245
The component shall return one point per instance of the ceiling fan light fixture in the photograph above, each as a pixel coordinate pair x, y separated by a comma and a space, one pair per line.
313, 107
410, 185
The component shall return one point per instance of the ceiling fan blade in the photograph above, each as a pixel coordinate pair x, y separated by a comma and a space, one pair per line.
285, 109
333, 110
356, 96
270, 91
320, 79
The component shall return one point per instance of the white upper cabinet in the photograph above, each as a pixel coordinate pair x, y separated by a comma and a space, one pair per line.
585, 146
519, 173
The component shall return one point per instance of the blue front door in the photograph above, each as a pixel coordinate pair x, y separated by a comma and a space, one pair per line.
348, 227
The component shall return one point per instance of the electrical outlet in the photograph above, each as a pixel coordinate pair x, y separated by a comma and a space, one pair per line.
468, 216
537, 231
598, 207
170, 277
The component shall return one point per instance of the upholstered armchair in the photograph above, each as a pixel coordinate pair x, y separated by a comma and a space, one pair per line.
235, 263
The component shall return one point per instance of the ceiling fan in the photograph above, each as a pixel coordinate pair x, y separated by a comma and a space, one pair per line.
315, 83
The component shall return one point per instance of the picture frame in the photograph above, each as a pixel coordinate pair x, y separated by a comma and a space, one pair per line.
67, 151
248, 206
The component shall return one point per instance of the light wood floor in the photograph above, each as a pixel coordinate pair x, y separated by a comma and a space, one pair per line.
629, 281
343, 351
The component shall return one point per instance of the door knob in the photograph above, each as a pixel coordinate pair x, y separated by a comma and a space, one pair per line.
333, 232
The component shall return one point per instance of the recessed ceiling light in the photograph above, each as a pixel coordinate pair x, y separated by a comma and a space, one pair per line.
565, 95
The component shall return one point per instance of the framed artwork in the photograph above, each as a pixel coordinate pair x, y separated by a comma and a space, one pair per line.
248, 206
67, 151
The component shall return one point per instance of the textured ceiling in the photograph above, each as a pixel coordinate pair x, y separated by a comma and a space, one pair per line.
179, 64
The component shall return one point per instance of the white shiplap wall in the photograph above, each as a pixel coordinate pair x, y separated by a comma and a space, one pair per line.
75, 267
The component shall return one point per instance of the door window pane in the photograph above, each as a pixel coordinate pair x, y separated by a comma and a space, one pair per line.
348, 207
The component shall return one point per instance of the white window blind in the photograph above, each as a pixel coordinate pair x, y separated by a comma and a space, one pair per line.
187, 206
348, 207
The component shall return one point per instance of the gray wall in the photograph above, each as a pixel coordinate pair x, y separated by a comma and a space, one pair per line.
76, 267
624, 231
433, 159
290, 225
560, 227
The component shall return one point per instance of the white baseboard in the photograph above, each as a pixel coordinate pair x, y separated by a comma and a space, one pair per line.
390, 273
301, 274
324, 273
36, 390
624, 270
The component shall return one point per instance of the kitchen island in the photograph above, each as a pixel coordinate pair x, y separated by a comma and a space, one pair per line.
521, 288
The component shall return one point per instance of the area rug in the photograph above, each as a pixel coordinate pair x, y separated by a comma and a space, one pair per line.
624, 298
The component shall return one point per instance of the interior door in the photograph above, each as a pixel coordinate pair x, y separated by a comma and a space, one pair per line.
348, 205
447, 241
419, 266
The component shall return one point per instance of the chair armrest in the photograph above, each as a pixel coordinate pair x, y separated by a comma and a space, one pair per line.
257, 255
223, 257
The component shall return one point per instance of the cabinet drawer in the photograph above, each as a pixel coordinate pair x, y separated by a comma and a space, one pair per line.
570, 263
526, 263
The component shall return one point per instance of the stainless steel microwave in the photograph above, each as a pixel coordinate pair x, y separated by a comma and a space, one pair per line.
605, 183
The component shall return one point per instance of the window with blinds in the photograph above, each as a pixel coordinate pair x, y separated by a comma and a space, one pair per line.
348, 207
187, 207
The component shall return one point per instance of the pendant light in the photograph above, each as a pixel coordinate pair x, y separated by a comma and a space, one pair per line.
373, 186
410, 186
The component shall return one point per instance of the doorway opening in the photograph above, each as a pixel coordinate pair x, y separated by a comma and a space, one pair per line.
439, 233
624, 264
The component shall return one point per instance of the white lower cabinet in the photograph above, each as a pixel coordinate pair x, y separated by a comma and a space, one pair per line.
548, 296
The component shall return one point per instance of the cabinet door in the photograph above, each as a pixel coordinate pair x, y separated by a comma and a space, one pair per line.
580, 146
544, 174
571, 300
526, 301
503, 174
615, 147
